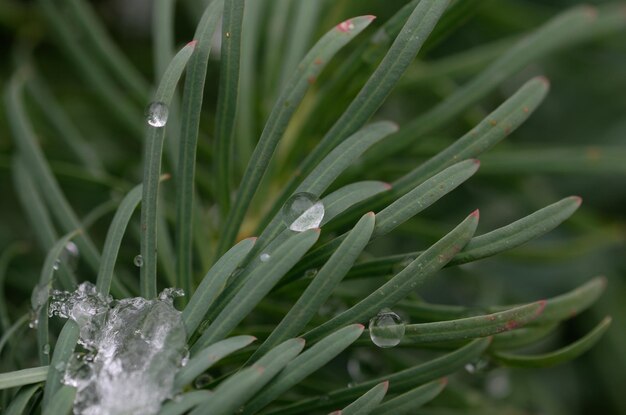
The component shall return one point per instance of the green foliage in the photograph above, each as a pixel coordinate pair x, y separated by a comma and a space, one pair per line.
391, 190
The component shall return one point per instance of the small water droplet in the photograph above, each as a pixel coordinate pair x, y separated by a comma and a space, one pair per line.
57, 264
33, 323
70, 256
386, 329
303, 211
202, 381
227, 34
264, 257
138, 261
185, 359
46, 349
477, 366
351, 384
156, 114
310, 273
60, 366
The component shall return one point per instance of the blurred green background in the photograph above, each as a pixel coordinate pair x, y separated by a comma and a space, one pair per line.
575, 143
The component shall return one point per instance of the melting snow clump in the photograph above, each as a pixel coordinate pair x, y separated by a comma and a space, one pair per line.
134, 347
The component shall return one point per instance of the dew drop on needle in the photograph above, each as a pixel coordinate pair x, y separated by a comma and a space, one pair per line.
386, 329
138, 261
303, 211
156, 114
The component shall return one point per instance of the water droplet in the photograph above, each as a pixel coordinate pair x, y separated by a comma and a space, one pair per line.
310, 273
185, 359
57, 264
70, 255
34, 322
60, 366
46, 349
303, 211
202, 381
264, 257
351, 384
477, 366
386, 329
138, 261
38, 300
156, 114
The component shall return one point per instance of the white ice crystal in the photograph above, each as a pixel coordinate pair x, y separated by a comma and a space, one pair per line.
134, 348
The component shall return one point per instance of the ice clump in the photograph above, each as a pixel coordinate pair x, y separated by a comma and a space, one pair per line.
134, 348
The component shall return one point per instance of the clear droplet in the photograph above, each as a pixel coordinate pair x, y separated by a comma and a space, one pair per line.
264, 257
156, 114
70, 255
185, 359
477, 366
57, 264
386, 329
46, 349
310, 273
138, 261
303, 211
34, 321
202, 381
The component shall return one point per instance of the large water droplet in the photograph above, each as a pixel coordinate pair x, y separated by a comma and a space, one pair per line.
264, 257
156, 114
138, 261
303, 211
202, 381
386, 329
